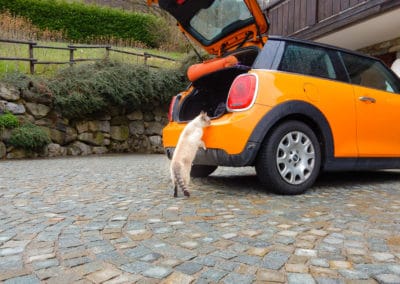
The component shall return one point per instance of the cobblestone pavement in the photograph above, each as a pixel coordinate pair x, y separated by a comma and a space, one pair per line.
112, 219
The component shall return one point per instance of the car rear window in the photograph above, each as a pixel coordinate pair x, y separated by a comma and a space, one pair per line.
370, 73
221, 15
307, 60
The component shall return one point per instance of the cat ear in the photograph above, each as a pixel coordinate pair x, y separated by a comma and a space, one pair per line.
202, 113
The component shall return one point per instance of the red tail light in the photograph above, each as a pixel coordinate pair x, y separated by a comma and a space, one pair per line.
242, 92
171, 109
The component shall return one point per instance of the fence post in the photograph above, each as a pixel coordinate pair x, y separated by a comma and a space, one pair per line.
31, 59
71, 55
146, 56
108, 47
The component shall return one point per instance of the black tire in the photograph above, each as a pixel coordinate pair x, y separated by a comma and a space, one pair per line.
202, 170
289, 159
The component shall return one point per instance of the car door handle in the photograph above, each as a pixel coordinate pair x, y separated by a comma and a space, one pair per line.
367, 99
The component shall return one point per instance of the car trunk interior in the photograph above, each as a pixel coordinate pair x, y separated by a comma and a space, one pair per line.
210, 91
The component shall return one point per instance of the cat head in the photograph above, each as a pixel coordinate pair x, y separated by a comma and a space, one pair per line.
204, 118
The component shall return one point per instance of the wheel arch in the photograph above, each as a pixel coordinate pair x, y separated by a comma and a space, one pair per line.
300, 111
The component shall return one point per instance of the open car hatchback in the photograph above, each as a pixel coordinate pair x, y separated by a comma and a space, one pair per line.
290, 108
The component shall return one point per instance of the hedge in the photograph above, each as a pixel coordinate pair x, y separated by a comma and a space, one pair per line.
85, 90
82, 22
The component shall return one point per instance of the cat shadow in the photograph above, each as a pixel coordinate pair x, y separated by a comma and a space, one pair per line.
242, 184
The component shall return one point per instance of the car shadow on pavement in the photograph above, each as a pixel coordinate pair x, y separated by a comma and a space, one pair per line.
248, 182
357, 178
234, 184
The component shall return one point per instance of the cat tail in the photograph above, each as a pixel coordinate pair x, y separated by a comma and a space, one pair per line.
179, 181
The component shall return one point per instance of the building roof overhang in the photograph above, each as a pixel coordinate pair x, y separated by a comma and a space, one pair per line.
373, 30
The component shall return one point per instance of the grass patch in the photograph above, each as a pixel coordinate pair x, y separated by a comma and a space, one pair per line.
8, 120
29, 137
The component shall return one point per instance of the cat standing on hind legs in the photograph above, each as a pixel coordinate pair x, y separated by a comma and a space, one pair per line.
185, 152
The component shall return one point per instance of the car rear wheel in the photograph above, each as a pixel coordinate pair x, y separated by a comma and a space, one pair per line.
289, 159
202, 170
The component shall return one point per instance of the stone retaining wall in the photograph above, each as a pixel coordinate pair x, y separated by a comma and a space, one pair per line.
118, 131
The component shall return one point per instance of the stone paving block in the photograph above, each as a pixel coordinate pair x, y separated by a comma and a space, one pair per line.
11, 251
137, 252
268, 275
285, 240
189, 267
6, 237
247, 259
72, 262
257, 251
27, 279
383, 257
238, 278
353, 274
178, 278
319, 262
45, 264
388, 278
325, 280
213, 275
157, 272
88, 268
151, 257
306, 252
41, 257
207, 260
135, 267
8, 274
300, 278
190, 245
296, 268
47, 273
226, 254
103, 275
227, 265
275, 260
11, 262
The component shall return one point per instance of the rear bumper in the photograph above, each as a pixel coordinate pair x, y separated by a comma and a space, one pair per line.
229, 133
218, 157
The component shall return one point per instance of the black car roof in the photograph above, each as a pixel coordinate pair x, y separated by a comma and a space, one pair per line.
323, 45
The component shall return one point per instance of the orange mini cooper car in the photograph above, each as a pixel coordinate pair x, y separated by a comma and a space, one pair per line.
291, 108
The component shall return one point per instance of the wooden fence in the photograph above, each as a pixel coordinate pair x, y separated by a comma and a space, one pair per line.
72, 49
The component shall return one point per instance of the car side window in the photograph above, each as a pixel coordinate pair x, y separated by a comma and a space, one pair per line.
307, 60
370, 73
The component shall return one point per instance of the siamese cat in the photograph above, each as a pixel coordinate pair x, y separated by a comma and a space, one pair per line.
188, 144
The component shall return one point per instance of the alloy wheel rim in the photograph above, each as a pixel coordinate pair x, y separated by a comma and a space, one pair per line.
295, 158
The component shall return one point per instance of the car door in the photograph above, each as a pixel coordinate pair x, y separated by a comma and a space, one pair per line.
377, 95
325, 88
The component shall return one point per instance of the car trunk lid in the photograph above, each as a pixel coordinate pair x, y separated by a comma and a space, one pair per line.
219, 25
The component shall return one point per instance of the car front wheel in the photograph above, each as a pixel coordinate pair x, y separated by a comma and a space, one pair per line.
289, 159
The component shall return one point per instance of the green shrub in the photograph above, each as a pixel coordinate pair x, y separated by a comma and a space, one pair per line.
80, 22
88, 89
8, 120
16, 79
29, 137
